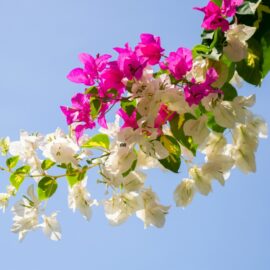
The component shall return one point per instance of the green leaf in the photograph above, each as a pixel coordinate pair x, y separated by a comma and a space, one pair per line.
12, 162
75, 175
250, 69
229, 92
16, 179
128, 106
217, 2
113, 92
173, 161
176, 125
47, 164
265, 41
46, 187
24, 170
92, 90
95, 105
99, 140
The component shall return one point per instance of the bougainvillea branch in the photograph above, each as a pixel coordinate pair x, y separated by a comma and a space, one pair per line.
170, 108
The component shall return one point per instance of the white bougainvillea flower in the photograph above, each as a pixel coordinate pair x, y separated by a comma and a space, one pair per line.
214, 144
80, 199
244, 159
240, 107
199, 69
51, 227
184, 192
154, 149
202, 181
256, 125
146, 162
237, 47
26, 213
225, 115
26, 149
120, 159
134, 181
120, 207
60, 148
153, 213
245, 138
197, 129
218, 167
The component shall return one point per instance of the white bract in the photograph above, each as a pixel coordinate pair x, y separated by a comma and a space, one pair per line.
60, 148
152, 213
79, 199
51, 227
237, 47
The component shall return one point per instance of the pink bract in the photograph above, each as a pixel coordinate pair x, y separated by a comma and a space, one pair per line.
79, 113
129, 120
92, 68
149, 48
195, 92
179, 63
228, 7
129, 63
213, 17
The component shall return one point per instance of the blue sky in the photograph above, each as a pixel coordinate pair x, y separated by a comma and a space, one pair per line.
40, 41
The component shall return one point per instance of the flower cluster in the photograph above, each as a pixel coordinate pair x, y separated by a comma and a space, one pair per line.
170, 108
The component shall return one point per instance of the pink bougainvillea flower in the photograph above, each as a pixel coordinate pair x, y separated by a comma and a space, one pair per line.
195, 92
213, 17
149, 48
92, 68
129, 63
129, 120
79, 113
163, 116
112, 77
228, 7
179, 63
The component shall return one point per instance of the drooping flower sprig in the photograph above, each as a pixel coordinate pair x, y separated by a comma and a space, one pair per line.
171, 109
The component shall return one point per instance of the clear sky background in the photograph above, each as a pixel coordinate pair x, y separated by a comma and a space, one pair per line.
39, 44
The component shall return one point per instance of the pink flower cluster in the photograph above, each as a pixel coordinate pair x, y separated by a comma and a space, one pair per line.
110, 80
215, 16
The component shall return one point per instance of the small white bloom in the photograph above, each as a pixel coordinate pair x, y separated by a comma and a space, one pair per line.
237, 35
218, 167
26, 213
214, 144
154, 149
26, 149
60, 148
120, 207
197, 129
153, 213
134, 181
120, 159
184, 192
202, 181
244, 159
51, 227
240, 103
79, 198
224, 114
